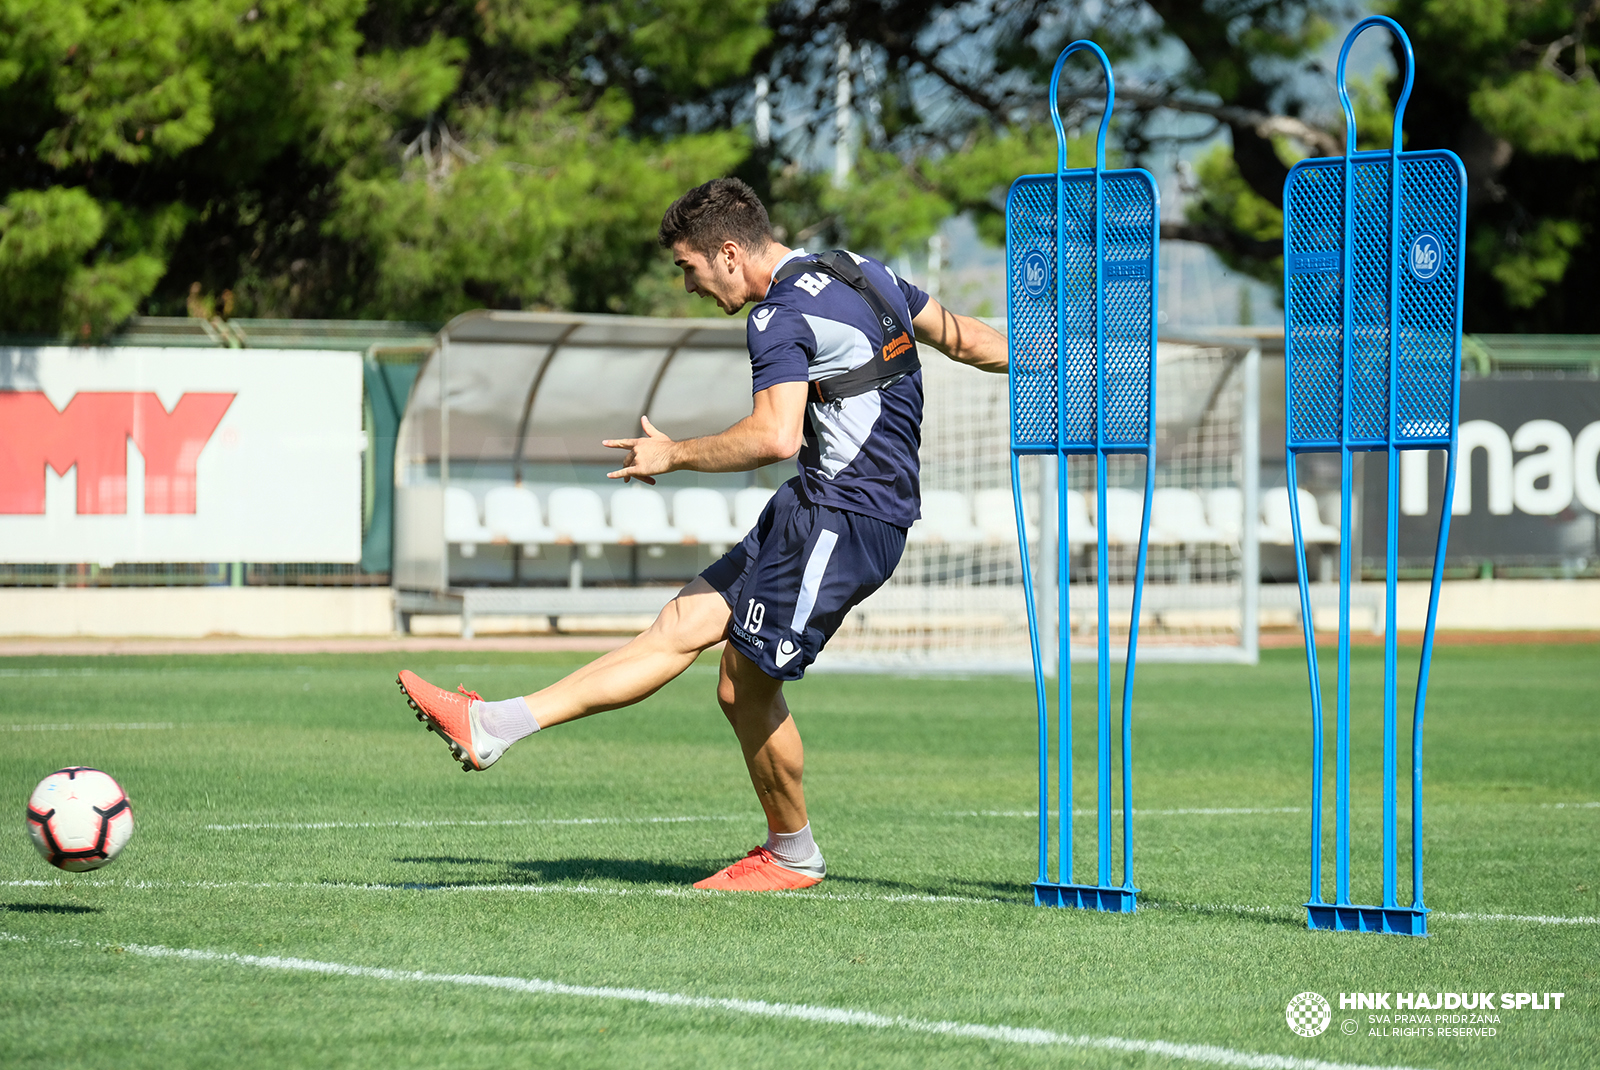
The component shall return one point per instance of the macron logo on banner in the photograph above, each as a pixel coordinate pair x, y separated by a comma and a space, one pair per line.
92, 434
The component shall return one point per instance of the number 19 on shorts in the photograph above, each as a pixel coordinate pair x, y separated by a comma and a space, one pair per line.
754, 613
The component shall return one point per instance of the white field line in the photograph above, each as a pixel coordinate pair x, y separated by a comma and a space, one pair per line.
233, 671
474, 824
1238, 908
1213, 810
694, 893
1537, 919
1207, 1054
1226, 810
298, 670
91, 726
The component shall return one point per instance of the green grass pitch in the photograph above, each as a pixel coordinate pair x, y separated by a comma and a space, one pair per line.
914, 786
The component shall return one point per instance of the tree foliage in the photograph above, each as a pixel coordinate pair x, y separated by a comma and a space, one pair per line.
1507, 84
326, 158
335, 158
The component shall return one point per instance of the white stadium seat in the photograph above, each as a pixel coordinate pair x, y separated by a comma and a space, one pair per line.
996, 515
1225, 511
461, 524
747, 507
639, 515
946, 518
1080, 529
512, 515
1276, 523
1178, 518
578, 515
1124, 512
702, 514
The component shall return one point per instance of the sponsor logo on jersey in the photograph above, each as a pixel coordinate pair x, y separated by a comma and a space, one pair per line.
896, 346
812, 284
762, 317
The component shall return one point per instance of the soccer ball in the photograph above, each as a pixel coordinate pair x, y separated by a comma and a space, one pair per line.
79, 818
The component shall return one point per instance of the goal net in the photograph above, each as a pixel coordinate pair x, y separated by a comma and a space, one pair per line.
955, 604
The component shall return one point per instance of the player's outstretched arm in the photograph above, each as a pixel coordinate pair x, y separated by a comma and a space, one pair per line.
772, 432
961, 338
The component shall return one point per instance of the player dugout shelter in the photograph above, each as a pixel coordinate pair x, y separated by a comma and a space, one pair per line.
502, 505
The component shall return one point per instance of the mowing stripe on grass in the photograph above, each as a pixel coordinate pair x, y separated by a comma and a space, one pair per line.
693, 893
1002, 1034
528, 889
91, 726
439, 824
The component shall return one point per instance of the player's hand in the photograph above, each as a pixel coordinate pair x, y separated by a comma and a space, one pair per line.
647, 457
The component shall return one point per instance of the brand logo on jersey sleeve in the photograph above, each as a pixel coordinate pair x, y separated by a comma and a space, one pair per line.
762, 317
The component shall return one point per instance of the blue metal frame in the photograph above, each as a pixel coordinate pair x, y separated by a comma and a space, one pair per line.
1421, 331
1123, 382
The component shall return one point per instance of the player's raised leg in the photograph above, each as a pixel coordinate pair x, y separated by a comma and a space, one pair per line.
694, 621
479, 732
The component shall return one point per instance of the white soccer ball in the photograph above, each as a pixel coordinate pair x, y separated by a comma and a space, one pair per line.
79, 818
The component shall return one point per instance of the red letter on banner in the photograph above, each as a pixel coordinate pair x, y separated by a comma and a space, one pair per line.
171, 445
91, 432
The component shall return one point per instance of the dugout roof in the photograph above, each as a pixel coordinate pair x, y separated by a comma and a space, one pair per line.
530, 387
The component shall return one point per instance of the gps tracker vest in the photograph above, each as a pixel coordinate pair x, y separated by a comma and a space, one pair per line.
894, 355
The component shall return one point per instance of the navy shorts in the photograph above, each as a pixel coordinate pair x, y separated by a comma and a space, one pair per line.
795, 576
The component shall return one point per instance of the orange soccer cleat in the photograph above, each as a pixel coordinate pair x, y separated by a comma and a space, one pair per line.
760, 871
454, 718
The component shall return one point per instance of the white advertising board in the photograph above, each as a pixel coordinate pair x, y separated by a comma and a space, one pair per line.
116, 455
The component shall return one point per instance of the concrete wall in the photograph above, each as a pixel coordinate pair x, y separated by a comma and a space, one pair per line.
194, 612
1504, 605
278, 612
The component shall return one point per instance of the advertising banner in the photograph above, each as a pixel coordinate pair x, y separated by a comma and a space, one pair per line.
179, 455
1527, 479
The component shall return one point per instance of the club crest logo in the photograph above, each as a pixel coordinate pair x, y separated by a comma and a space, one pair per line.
1427, 256
1035, 274
1308, 1014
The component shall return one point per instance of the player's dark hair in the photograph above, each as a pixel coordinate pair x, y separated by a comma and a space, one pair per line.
724, 209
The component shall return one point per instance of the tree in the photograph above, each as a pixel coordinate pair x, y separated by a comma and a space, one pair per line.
419, 157
335, 158
1508, 86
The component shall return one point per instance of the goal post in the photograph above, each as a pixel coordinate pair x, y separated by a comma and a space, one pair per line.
955, 603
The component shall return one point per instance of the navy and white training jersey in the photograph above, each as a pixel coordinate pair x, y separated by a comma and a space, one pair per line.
860, 453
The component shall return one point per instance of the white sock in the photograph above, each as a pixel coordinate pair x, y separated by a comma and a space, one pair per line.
794, 847
510, 719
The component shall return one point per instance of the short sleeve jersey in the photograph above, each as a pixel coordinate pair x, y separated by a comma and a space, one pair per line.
859, 453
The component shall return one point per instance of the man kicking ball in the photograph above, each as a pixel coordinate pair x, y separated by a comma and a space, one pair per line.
835, 377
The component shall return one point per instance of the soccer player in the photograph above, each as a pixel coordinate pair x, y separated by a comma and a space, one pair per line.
836, 380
